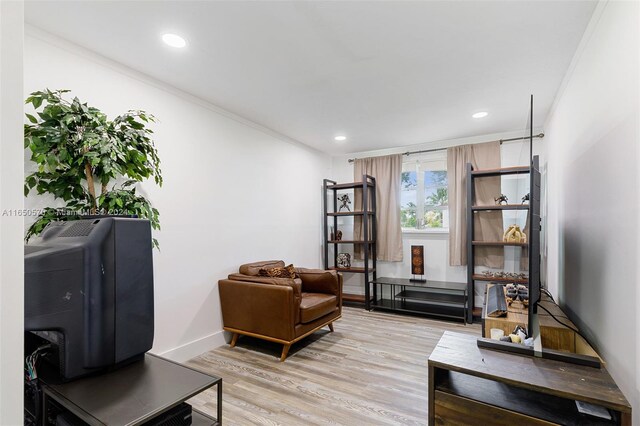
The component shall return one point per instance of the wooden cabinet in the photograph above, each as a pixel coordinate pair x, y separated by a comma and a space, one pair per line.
469, 385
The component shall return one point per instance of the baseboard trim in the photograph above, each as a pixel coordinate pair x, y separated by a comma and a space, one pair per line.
196, 347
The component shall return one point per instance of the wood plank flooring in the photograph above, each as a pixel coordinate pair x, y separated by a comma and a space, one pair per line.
371, 371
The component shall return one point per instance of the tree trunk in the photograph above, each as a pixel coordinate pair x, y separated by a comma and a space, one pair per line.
92, 190
104, 189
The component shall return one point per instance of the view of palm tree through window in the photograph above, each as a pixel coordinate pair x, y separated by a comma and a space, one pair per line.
424, 199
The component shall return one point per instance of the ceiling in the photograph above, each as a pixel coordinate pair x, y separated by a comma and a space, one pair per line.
384, 74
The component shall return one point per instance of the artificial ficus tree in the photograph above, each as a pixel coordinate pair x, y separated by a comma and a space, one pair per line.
76, 148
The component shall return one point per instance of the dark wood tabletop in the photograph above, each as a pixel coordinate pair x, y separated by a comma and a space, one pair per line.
459, 352
132, 394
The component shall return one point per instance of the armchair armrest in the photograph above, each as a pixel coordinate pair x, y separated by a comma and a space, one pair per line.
320, 281
259, 308
295, 284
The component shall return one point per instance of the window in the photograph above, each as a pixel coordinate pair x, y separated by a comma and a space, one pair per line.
424, 197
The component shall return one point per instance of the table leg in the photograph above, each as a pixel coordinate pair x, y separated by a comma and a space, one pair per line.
431, 410
219, 416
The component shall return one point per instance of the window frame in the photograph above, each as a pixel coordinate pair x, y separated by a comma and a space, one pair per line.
434, 161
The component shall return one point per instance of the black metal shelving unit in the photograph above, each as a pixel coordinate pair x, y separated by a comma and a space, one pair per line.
534, 205
369, 236
430, 298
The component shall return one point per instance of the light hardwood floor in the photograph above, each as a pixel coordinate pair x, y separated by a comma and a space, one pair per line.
371, 371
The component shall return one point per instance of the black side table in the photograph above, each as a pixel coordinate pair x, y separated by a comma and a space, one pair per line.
134, 394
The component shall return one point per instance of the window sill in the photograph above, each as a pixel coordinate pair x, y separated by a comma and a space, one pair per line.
425, 231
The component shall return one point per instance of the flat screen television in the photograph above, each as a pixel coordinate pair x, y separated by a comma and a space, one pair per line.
534, 241
89, 294
534, 280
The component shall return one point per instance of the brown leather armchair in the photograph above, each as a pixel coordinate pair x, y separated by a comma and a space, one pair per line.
282, 310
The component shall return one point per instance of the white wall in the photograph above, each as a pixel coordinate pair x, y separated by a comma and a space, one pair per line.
11, 200
436, 243
233, 192
593, 180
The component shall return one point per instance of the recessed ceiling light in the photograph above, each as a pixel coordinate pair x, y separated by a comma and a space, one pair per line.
340, 138
174, 40
480, 114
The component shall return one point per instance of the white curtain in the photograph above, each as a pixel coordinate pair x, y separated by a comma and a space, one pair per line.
387, 170
488, 224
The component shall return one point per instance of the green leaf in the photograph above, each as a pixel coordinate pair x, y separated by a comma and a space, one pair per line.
36, 101
32, 118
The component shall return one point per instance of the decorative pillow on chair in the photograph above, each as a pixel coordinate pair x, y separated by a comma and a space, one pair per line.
278, 272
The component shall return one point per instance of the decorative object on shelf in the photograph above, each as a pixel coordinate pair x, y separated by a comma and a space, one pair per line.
517, 292
521, 332
344, 199
331, 234
505, 275
338, 235
497, 333
502, 199
417, 263
511, 294
513, 234
344, 260
525, 198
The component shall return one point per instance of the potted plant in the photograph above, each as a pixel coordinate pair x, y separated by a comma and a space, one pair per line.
76, 147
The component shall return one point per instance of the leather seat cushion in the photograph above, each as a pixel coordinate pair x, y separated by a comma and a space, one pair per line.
316, 305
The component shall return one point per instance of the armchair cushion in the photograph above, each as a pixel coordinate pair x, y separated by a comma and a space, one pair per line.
316, 305
253, 269
278, 272
319, 281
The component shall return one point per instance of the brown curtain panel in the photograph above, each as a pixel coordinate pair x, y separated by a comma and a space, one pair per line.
387, 170
488, 225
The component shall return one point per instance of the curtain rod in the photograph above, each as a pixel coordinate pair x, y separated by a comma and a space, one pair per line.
539, 135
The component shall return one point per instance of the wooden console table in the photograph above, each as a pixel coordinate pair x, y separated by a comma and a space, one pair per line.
133, 394
470, 386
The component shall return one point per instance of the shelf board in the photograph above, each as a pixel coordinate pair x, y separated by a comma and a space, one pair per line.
538, 405
198, 418
456, 312
354, 270
350, 185
350, 213
501, 207
500, 172
498, 243
358, 298
456, 300
478, 277
350, 242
